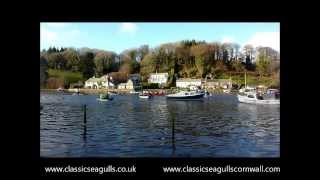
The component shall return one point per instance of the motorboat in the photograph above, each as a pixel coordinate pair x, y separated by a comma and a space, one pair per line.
60, 89
145, 95
142, 96
252, 97
186, 95
105, 97
133, 92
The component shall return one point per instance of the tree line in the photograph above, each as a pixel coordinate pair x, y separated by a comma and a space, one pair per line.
187, 59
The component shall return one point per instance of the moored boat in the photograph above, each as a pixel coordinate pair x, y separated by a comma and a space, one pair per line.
253, 99
272, 96
186, 95
255, 95
105, 97
133, 92
60, 89
144, 95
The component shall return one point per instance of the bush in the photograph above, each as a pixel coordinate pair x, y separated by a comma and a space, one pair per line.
54, 83
67, 77
77, 85
150, 86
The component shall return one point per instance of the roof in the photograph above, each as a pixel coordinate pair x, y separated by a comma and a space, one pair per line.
93, 79
219, 80
102, 78
134, 74
158, 73
105, 76
187, 80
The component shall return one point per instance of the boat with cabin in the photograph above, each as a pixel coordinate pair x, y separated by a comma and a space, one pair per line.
186, 95
105, 97
252, 95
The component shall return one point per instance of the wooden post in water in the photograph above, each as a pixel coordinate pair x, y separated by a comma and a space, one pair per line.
85, 114
172, 130
172, 137
85, 122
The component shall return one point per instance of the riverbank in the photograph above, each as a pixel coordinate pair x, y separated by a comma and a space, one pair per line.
99, 91
126, 91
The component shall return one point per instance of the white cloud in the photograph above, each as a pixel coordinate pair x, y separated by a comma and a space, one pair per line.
227, 39
128, 28
59, 38
269, 39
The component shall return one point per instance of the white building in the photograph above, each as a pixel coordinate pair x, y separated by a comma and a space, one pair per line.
98, 83
106, 81
187, 82
128, 85
218, 83
158, 78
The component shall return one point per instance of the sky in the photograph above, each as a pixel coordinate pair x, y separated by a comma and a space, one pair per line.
118, 37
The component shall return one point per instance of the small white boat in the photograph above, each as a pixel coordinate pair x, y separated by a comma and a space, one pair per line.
134, 92
60, 89
144, 95
102, 99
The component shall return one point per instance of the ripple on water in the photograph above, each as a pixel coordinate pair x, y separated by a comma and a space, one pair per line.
129, 127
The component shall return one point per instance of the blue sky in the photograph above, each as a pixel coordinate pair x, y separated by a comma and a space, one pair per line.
120, 36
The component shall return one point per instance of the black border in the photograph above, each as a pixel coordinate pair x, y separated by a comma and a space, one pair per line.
151, 166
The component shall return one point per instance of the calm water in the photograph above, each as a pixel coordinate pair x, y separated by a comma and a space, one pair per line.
217, 126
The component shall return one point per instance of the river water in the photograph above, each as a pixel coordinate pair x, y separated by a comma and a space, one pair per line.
217, 126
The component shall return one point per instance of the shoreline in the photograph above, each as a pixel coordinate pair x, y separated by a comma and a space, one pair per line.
123, 91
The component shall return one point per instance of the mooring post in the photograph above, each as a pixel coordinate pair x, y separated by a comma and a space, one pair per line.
85, 114
172, 130
84, 122
172, 137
